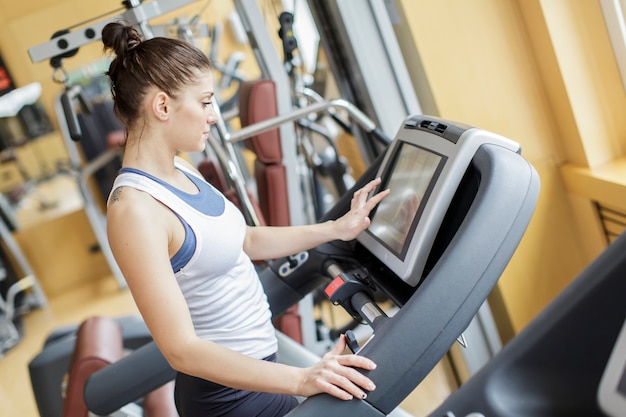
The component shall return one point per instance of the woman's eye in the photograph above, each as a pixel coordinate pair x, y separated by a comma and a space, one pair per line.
206, 103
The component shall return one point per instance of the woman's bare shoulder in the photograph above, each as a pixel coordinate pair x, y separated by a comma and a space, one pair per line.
129, 204
128, 197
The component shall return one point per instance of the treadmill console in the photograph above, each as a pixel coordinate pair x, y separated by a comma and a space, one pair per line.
422, 167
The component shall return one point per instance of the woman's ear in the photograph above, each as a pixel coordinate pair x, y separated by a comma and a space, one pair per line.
160, 105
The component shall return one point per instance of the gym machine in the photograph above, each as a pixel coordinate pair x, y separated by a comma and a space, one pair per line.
65, 44
569, 361
461, 199
20, 290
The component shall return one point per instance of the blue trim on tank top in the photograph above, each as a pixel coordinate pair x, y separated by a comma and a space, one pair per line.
184, 254
206, 200
187, 249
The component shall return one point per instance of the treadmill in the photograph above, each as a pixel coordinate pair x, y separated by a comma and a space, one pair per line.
461, 199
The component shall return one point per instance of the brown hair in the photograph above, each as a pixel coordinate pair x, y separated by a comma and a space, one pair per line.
166, 63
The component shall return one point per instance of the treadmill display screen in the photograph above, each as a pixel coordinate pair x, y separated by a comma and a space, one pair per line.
411, 178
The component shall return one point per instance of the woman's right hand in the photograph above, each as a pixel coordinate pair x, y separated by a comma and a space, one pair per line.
334, 374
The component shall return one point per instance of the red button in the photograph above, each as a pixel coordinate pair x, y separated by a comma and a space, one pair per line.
333, 286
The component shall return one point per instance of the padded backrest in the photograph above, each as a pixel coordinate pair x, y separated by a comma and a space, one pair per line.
272, 190
257, 102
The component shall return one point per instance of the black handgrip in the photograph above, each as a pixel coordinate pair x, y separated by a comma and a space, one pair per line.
70, 117
351, 341
69, 111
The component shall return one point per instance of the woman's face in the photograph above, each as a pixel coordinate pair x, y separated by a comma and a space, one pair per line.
192, 114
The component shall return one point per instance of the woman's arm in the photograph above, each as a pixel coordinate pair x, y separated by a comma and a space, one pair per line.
266, 242
140, 234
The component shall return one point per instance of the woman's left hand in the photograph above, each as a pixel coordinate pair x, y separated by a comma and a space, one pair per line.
357, 219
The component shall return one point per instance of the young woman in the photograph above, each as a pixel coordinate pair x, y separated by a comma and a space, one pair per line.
186, 252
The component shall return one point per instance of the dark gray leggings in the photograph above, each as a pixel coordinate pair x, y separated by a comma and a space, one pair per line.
196, 397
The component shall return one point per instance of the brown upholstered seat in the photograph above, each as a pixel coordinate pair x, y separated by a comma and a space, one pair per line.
257, 102
98, 344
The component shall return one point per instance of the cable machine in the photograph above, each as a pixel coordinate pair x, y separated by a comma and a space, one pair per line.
65, 44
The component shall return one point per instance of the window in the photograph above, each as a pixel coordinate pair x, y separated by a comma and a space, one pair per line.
615, 19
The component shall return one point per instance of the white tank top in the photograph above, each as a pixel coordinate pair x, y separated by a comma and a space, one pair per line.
224, 294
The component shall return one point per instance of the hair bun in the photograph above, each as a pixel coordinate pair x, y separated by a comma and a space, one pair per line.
120, 37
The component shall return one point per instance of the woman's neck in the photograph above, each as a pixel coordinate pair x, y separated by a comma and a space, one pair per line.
150, 155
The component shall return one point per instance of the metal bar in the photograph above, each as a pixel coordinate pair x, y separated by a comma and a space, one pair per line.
260, 127
227, 157
138, 15
96, 218
29, 279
